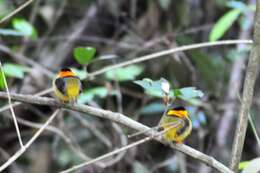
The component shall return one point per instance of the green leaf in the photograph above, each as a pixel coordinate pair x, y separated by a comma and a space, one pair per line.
124, 74
14, 70
84, 55
253, 166
24, 27
82, 74
89, 95
188, 93
10, 32
149, 84
153, 108
237, 5
153, 88
165, 4
243, 164
2, 84
223, 24
140, 168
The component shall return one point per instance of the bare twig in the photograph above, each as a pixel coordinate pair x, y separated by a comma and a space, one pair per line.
6, 107
107, 155
248, 91
16, 11
167, 52
123, 149
122, 119
25, 60
29, 143
10, 106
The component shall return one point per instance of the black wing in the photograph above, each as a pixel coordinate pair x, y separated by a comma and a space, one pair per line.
60, 84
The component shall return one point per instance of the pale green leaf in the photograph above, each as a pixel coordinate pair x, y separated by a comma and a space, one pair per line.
124, 74
14, 70
140, 168
253, 166
89, 95
23, 26
188, 93
165, 4
237, 5
223, 24
243, 164
153, 108
10, 32
82, 74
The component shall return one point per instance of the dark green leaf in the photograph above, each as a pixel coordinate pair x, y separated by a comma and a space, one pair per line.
84, 55
223, 24
124, 74
24, 27
14, 70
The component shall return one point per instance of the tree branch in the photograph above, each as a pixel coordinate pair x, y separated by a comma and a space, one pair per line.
122, 119
16, 11
29, 143
251, 75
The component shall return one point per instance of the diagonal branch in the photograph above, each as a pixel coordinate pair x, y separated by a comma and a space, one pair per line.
122, 119
16, 11
29, 143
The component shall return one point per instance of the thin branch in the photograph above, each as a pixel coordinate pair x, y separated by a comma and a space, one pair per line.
10, 106
248, 92
16, 11
167, 52
111, 153
122, 119
159, 54
26, 60
6, 107
29, 143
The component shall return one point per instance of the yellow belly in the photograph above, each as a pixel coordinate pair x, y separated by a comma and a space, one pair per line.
176, 128
72, 90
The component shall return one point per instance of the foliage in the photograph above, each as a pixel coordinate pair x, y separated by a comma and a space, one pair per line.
89, 95
223, 24
125, 73
25, 28
154, 88
252, 167
84, 55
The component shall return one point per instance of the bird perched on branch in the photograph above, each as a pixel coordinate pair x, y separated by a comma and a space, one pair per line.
67, 86
176, 123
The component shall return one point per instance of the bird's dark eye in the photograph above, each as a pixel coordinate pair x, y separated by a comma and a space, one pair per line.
179, 108
65, 69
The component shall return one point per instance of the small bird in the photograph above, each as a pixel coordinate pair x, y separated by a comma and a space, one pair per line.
67, 86
177, 124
